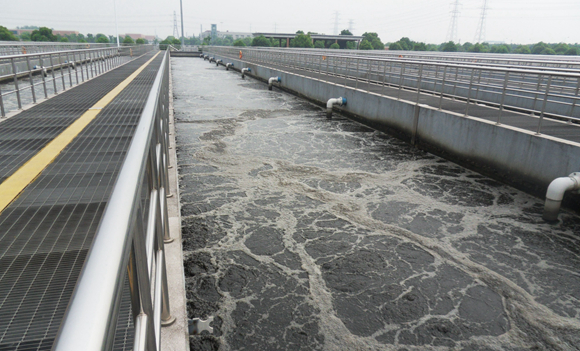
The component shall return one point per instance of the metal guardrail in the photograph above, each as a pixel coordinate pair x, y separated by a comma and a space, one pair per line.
542, 92
129, 241
566, 63
46, 73
31, 47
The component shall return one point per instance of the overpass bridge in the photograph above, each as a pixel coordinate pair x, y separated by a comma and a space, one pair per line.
85, 185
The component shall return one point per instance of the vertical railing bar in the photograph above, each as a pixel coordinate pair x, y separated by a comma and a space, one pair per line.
544, 105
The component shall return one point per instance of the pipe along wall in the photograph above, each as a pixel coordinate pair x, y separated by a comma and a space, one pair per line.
517, 157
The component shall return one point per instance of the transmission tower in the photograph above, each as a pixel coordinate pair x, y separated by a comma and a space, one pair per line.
452, 34
336, 23
480, 34
175, 30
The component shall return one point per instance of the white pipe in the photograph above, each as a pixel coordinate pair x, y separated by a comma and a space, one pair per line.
272, 80
217, 63
555, 194
228, 65
211, 59
244, 70
340, 102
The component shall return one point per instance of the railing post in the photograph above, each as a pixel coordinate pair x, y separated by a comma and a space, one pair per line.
503, 93
52, 73
469, 91
574, 99
544, 104
442, 87
384, 75
31, 80
401, 81
419, 79
15, 72
68, 69
356, 73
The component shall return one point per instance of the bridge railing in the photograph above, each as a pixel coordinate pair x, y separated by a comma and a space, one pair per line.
564, 63
129, 242
28, 78
541, 92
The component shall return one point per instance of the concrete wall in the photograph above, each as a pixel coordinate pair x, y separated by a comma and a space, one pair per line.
520, 158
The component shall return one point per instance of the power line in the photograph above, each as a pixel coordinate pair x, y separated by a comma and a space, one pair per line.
480, 34
452, 33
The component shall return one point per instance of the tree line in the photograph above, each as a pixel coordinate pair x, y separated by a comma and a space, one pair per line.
44, 34
540, 48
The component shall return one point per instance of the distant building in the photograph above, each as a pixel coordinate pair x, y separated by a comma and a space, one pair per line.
235, 35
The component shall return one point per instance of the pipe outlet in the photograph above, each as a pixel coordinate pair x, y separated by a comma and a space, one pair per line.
555, 194
217, 63
228, 65
272, 80
244, 70
211, 59
340, 102
201, 55
205, 57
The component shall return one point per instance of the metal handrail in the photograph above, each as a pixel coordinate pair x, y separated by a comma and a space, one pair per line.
544, 92
74, 66
21, 47
481, 58
129, 242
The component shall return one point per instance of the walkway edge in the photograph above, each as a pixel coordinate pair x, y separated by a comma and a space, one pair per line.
15, 184
176, 336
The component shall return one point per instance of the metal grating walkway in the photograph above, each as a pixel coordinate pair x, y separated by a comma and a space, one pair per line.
45, 233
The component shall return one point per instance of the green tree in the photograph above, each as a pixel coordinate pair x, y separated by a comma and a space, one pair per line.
128, 40
548, 51
319, 44
64, 40
299, 32
7, 35
247, 41
571, 51
25, 36
396, 46
477, 48
350, 45
449, 47
239, 42
467, 46
140, 41
502, 49
523, 49
261, 41
302, 41
43, 34
103, 40
538, 48
561, 48
374, 40
345, 32
378, 44
406, 43
419, 47
334, 46
365, 45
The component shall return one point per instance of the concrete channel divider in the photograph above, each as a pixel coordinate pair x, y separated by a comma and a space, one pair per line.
176, 336
518, 157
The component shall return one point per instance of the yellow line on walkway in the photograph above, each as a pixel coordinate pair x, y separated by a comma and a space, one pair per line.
17, 182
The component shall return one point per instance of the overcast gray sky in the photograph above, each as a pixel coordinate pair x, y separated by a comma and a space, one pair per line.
512, 21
